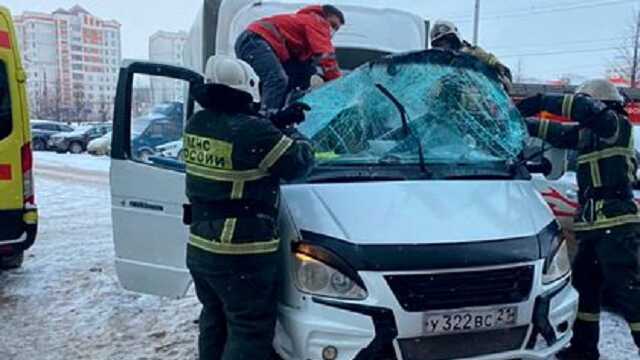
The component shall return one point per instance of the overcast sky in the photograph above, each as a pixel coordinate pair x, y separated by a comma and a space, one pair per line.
546, 38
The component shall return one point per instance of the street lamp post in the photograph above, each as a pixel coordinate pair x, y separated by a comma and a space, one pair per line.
476, 23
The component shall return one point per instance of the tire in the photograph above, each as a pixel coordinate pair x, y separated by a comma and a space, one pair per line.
39, 145
11, 262
76, 148
144, 155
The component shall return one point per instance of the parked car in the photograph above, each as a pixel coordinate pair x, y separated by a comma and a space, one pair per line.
162, 125
41, 130
76, 141
101, 145
416, 196
18, 211
171, 150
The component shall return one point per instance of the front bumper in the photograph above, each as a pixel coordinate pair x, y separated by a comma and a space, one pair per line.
374, 329
18, 229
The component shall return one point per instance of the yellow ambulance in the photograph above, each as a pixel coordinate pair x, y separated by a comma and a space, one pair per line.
18, 213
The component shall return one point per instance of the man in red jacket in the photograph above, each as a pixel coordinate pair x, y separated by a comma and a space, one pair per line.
287, 50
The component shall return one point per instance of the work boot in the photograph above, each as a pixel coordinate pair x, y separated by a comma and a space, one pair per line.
572, 353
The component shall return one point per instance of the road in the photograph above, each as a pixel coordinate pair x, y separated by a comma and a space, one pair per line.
66, 303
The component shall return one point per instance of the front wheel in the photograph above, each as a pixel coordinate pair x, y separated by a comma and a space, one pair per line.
39, 145
75, 148
11, 262
144, 156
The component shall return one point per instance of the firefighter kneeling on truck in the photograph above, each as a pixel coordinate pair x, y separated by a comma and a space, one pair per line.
235, 160
607, 225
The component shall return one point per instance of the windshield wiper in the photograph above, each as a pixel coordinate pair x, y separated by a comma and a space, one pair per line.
405, 125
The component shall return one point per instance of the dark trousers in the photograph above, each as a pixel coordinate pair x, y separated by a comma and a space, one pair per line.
239, 305
277, 79
606, 258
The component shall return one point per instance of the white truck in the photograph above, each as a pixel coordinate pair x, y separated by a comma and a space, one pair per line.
418, 236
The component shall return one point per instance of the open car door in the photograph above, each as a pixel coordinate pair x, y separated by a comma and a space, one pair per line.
147, 193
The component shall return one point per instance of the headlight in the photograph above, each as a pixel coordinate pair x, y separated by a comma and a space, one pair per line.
316, 278
557, 264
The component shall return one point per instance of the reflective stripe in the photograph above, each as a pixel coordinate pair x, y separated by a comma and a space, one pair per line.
5, 40
543, 129
234, 249
630, 170
492, 60
276, 152
273, 30
614, 138
635, 327
567, 106
237, 190
30, 218
606, 153
589, 317
228, 230
600, 224
225, 175
596, 180
599, 207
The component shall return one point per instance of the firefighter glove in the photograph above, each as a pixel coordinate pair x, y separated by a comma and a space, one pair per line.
292, 114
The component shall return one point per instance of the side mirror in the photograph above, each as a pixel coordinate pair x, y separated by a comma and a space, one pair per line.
558, 159
552, 164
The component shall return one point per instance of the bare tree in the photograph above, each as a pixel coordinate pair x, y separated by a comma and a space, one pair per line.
627, 63
79, 106
519, 75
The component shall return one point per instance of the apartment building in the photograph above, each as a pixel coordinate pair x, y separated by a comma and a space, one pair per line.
72, 60
167, 47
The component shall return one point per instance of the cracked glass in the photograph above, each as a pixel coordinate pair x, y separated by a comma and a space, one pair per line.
455, 108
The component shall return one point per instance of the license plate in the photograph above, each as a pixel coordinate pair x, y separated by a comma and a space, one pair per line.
469, 320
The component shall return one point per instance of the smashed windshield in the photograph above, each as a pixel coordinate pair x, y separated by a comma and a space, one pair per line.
454, 105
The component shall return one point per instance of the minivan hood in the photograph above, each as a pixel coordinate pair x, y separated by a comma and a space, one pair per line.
419, 212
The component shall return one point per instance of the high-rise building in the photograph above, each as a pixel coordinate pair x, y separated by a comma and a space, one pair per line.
72, 60
167, 47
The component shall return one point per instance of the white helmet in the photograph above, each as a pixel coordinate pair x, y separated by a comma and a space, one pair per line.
234, 73
442, 28
600, 89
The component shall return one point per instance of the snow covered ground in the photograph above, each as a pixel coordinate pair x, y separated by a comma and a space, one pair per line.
66, 303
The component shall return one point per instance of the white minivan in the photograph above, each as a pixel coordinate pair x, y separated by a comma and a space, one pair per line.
418, 236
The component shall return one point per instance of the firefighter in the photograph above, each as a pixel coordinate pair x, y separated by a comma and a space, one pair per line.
607, 225
445, 35
235, 160
287, 50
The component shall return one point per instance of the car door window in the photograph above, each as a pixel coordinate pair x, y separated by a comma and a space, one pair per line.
153, 123
6, 121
